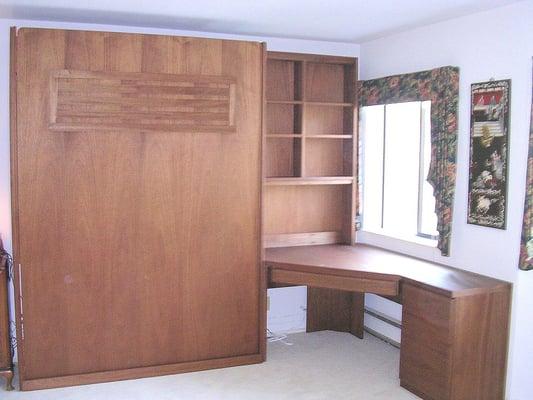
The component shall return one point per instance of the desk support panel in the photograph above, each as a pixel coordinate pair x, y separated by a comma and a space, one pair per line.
335, 310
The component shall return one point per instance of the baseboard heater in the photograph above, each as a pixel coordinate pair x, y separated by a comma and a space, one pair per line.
388, 320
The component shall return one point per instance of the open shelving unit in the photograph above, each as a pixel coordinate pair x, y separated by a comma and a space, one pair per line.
310, 156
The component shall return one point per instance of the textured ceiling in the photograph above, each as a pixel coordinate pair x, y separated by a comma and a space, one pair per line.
334, 20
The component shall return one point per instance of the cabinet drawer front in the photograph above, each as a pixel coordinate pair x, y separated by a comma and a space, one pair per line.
425, 331
378, 286
425, 359
425, 371
424, 334
432, 308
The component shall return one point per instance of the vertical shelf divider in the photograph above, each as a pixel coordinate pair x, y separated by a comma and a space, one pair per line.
351, 120
303, 72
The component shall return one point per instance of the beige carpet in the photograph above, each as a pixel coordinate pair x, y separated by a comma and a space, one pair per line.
318, 366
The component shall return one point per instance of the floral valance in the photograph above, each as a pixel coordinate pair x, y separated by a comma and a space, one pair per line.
526, 248
441, 86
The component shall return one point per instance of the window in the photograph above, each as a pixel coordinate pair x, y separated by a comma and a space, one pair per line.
396, 199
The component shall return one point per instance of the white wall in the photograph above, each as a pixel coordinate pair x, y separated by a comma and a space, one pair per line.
287, 306
497, 43
494, 44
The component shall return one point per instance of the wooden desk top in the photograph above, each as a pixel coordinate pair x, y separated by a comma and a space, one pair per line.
363, 261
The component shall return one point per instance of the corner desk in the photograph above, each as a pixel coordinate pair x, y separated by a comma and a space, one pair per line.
454, 323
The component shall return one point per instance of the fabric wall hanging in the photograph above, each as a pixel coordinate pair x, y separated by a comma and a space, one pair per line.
441, 86
489, 138
526, 247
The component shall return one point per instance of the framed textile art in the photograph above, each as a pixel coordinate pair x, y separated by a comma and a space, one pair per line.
489, 138
526, 243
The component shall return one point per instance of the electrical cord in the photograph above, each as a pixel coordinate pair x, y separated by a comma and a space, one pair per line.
276, 337
10, 278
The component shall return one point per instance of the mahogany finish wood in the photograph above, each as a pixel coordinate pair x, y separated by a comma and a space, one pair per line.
304, 209
139, 251
141, 372
364, 261
335, 310
316, 180
455, 348
317, 58
301, 239
311, 133
6, 362
371, 285
455, 324
97, 101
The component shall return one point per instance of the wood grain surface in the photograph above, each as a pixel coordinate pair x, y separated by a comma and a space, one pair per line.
363, 261
455, 324
137, 249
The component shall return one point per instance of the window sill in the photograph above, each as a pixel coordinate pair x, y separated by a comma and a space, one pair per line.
420, 247
384, 235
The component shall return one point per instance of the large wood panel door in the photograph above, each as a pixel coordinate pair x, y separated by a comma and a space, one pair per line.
136, 194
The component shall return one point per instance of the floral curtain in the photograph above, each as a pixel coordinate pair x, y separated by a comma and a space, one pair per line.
441, 86
526, 247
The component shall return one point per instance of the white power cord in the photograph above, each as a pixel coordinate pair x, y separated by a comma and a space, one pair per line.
275, 337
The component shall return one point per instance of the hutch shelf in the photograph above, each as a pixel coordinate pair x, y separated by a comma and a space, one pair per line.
310, 161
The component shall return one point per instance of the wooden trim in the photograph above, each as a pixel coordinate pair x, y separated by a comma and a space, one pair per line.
303, 123
458, 293
330, 271
136, 373
232, 104
14, 193
355, 154
315, 180
156, 128
302, 239
327, 136
377, 286
54, 93
317, 58
263, 279
92, 102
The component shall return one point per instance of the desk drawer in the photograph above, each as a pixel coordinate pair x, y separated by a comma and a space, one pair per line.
425, 363
430, 307
426, 373
426, 348
378, 286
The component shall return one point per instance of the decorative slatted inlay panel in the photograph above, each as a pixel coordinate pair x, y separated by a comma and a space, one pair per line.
82, 100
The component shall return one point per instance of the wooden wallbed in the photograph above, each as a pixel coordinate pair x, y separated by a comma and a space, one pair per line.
134, 159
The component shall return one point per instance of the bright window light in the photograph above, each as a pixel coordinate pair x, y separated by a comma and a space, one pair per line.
396, 151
